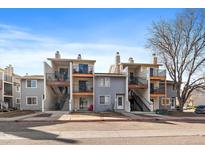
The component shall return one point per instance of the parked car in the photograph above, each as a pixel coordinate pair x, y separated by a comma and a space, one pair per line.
200, 109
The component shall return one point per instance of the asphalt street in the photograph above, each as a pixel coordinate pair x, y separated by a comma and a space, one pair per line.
130, 132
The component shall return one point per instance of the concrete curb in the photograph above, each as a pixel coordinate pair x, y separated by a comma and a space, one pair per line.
118, 120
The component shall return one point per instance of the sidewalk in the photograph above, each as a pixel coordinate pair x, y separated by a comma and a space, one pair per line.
90, 116
75, 117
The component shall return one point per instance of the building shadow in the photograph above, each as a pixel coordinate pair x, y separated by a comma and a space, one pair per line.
24, 130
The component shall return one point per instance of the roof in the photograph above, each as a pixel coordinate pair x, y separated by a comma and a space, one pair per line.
36, 77
1, 69
141, 64
110, 74
71, 60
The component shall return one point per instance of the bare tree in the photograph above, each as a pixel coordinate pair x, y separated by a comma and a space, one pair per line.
180, 46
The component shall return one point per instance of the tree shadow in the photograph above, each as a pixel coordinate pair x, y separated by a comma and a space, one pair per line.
24, 130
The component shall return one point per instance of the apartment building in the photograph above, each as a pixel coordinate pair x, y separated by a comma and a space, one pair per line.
69, 84
72, 85
147, 84
9, 87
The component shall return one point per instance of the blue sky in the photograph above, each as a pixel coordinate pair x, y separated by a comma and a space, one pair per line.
29, 36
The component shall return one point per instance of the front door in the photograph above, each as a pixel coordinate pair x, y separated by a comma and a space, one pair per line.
83, 104
120, 102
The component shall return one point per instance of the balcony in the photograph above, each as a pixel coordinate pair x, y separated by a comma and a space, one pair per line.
157, 74
7, 78
83, 70
137, 83
7, 89
57, 79
83, 89
157, 91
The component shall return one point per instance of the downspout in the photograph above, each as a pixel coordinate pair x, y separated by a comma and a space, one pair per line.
71, 87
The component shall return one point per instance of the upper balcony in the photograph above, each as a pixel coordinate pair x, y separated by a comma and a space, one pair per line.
8, 89
7, 78
157, 74
57, 79
160, 91
137, 83
83, 89
83, 70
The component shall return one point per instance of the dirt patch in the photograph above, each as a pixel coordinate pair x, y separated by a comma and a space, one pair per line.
16, 113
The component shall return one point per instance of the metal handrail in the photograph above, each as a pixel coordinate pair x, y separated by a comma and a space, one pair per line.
157, 72
57, 76
137, 80
87, 88
141, 101
159, 90
7, 78
89, 71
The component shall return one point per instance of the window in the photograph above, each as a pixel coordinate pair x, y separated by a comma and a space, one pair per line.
173, 101
18, 101
18, 88
104, 82
83, 68
31, 100
31, 84
104, 100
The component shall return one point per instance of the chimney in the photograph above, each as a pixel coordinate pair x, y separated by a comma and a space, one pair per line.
154, 58
57, 55
131, 60
26, 74
9, 70
117, 58
79, 57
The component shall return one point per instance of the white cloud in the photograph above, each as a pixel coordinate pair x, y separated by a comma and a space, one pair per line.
26, 51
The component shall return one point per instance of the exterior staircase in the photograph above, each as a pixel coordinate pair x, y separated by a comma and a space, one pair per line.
138, 103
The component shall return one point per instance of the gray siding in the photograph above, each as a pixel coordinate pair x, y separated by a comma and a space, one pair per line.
37, 92
117, 86
171, 92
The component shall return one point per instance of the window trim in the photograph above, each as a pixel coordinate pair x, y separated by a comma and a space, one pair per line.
121, 107
31, 97
104, 98
103, 79
31, 80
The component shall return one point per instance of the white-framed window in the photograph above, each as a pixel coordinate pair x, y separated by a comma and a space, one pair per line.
104, 100
18, 88
31, 100
31, 83
18, 100
104, 82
